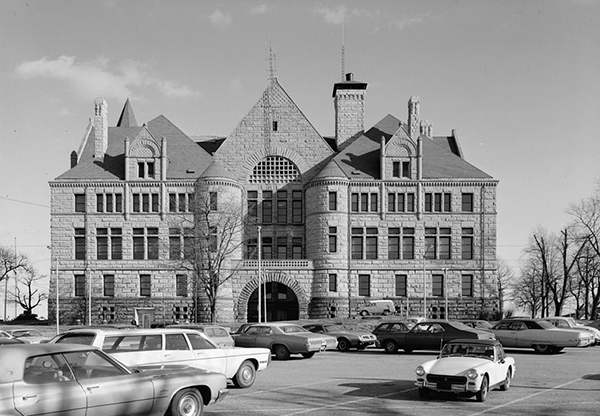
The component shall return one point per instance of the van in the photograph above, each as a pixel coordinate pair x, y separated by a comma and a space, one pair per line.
377, 307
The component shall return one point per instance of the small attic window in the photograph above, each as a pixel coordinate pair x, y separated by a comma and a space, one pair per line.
190, 171
275, 125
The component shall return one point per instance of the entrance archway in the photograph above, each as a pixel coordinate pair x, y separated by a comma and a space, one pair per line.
282, 303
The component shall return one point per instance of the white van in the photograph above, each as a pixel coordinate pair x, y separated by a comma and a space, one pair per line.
377, 307
157, 346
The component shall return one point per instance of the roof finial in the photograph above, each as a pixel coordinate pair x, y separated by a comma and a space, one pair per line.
272, 62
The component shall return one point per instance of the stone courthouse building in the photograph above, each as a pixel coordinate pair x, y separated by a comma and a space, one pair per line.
390, 212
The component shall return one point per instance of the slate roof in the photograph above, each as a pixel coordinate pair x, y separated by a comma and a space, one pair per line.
186, 160
359, 159
127, 118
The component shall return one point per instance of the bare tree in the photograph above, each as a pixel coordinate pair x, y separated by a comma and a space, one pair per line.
544, 257
526, 289
31, 296
11, 262
505, 276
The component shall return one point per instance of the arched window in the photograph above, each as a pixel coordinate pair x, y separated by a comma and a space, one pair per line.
275, 169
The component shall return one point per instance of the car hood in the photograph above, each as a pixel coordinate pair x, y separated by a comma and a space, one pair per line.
454, 365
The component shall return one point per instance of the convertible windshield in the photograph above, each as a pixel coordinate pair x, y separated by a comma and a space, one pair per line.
468, 350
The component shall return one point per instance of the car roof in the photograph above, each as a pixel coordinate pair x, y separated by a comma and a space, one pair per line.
13, 357
136, 331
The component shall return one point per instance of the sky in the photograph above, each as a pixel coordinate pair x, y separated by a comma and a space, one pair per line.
519, 81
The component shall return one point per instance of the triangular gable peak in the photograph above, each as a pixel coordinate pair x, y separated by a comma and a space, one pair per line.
273, 128
144, 156
399, 156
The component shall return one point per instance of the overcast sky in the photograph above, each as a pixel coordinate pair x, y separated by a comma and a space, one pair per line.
518, 80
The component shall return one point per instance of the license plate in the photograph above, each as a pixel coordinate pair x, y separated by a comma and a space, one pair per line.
444, 386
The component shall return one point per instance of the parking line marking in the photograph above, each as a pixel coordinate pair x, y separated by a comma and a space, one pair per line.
251, 393
525, 398
350, 402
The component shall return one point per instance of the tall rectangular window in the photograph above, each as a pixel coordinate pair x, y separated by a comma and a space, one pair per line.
466, 244
136, 203
80, 285
400, 284
213, 201
252, 204
102, 243
430, 243
357, 243
332, 239
182, 206
333, 282
213, 239
467, 202
145, 243
391, 202
150, 166
393, 243
410, 202
364, 285
406, 169
374, 203
99, 202
155, 206
80, 249
181, 285
139, 246
109, 285
267, 248
109, 203
79, 202
152, 243
297, 207
109, 243
332, 201
297, 248
172, 202
145, 285
281, 211
437, 288
467, 285
175, 244
408, 243
371, 243
145, 202
282, 247
267, 207
354, 202
396, 169
445, 250
364, 202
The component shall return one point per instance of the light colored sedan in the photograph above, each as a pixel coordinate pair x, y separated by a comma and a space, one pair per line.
566, 322
346, 339
31, 336
540, 335
78, 380
284, 339
174, 346
467, 367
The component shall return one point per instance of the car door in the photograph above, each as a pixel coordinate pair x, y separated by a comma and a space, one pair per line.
177, 350
49, 388
419, 337
110, 389
208, 356
506, 333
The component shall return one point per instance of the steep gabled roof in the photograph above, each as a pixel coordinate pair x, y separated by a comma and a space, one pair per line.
127, 118
442, 157
186, 160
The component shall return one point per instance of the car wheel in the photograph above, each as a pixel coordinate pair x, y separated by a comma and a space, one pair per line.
424, 392
343, 344
281, 352
390, 347
364, 313
506, 384
187, 402
245, 375
308, 354
542, 349
482, 393
387, 312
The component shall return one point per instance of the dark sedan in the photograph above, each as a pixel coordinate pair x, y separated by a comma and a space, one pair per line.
428, 335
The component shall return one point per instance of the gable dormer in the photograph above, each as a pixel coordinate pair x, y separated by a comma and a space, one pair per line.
399, 157
145, 157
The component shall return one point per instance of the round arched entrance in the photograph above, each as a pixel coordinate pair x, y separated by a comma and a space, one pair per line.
281, 303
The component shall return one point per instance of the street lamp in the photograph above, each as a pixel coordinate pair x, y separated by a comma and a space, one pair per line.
56, 275
258, 277
446, 292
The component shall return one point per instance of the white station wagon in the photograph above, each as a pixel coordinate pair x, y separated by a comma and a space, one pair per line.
139, 347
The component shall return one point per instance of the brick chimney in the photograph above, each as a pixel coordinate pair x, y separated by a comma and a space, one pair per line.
100, 122
414, 124
349, 103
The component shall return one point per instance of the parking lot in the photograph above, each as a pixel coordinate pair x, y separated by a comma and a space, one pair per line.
371, 382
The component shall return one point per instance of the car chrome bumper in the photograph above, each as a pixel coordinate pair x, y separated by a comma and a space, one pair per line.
470, 387
222, 394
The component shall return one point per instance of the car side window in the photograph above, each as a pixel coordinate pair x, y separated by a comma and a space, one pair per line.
436, 329
152, 343
46, 369
90, 364
176, 342
199, 342
420, 328
253, 330
82, 339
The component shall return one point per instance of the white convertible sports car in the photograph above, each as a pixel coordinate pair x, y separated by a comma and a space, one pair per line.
470, 367
142, 347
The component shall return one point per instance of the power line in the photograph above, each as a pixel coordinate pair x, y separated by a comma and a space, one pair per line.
24, 202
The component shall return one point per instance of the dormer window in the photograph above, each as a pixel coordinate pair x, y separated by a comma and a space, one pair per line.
401, 169
146, 170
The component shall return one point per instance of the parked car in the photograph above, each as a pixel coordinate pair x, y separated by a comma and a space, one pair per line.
391, 327
284, 339
31, 336
4, 334
377, 307
413, 320
345, 339
477, 324
469, 367
566, 322
429, 335
218, 334
540, 335
594, 324
173, 346
10, 341
61, 379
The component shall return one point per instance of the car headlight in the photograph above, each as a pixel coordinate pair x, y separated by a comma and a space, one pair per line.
420, 371
472, 374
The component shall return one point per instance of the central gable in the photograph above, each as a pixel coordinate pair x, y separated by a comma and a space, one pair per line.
274, 126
